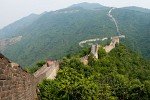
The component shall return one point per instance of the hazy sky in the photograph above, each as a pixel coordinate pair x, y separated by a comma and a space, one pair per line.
12, 10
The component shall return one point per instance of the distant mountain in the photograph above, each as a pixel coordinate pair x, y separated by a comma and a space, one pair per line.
134, 8
90, 6
51, 35
136, 26
15, 28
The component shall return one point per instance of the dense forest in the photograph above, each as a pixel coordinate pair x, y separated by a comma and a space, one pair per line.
51, 35
119, 75
135, 24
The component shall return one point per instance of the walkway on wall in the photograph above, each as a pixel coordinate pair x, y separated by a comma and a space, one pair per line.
47, 71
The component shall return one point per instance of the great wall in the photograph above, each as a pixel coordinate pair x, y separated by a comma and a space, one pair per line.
107, 48
47, 71
17, 84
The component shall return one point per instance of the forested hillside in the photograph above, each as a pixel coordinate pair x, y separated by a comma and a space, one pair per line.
51, 35
136, 27
16, 28
138, 9
118, 75
56, 33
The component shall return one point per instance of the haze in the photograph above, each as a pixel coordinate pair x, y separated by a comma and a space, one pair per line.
12, 10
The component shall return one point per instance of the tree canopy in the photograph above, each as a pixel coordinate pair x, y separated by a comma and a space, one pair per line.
120, 74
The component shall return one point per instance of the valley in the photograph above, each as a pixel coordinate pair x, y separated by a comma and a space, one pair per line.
65, 31
86, 51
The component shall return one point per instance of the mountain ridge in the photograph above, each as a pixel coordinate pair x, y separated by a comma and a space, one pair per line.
17, 26
90, 6
140, 9
53, 34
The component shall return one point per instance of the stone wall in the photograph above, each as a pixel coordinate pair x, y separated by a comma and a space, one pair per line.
112, 44
94, 51
47, 71
15, 83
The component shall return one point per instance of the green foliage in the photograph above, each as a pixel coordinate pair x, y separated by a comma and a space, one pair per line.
53, 35
71, 85
101, 53
119, 75
84, 51
35, 68
147, 87
91, 60
40, 64
134, 23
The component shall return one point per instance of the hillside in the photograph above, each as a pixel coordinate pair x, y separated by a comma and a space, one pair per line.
15, 28
118, 75
55, 34
89, 6
138, 9
136, 26
52, 35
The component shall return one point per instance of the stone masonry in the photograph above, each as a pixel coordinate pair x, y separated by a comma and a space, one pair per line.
15, 83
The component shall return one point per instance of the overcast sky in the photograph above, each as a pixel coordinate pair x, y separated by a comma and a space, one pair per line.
12, 10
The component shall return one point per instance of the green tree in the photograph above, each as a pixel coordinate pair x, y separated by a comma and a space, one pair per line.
91, 60
41, 63
101, 53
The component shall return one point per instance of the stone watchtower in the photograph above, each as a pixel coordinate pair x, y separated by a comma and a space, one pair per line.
94, 50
